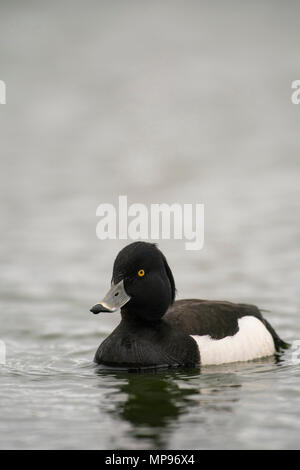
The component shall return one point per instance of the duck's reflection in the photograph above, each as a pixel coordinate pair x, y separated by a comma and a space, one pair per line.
156, 404
153, 402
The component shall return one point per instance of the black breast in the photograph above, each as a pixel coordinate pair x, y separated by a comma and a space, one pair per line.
135, 345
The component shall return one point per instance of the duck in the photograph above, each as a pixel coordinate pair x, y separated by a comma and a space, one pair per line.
158, 331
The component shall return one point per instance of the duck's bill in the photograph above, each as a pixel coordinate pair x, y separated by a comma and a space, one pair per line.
115, 298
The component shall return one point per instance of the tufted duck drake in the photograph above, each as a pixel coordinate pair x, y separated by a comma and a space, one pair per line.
155, 331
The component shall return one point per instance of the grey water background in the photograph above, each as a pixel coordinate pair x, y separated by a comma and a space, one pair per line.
171, 101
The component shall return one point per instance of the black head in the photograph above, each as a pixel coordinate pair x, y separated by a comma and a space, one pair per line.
145, 278
148, 280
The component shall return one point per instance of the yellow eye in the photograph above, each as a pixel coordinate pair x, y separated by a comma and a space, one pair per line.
141, 273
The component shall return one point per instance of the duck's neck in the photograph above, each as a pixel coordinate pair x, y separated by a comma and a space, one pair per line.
135, 316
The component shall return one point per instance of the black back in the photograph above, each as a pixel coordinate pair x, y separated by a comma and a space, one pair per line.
217, 319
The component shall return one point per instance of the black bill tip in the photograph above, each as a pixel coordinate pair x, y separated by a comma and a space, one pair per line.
99, 308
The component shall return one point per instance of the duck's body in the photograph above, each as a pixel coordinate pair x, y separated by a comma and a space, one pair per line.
155, 331
132, 345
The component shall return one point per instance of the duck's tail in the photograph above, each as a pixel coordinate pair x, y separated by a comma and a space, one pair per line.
279, 343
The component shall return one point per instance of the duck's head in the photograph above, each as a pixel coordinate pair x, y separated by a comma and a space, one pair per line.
142, 284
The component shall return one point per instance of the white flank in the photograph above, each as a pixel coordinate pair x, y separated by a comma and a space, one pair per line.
253, 340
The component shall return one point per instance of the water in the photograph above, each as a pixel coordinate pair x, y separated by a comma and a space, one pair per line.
162, 103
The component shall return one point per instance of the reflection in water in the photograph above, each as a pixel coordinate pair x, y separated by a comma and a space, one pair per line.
152, 402
154, 405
